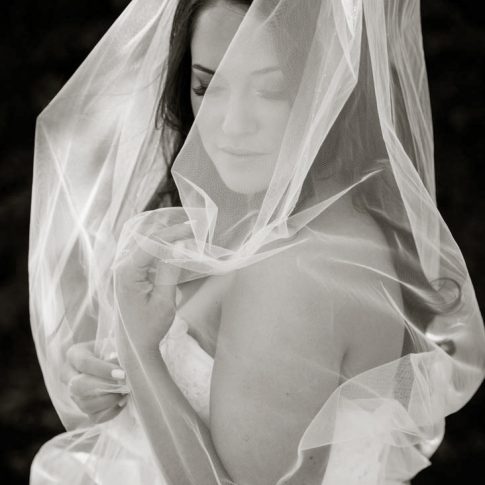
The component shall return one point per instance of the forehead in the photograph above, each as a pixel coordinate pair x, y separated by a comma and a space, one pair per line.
214, 30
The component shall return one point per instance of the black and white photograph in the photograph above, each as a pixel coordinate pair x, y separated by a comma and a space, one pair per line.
242, 242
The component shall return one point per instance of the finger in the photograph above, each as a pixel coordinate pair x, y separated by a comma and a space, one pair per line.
122, 402
98, 404
149, 247
112, 357
85, 385
79, 349
67, 373
106, 415
85, 362
174, 233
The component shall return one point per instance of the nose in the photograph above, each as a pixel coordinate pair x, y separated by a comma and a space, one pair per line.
239, 116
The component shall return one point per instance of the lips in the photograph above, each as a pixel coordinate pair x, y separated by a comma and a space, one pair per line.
240, 151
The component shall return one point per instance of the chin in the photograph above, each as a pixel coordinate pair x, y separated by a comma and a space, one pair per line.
246, 190
245, 182
244, 185
246, 177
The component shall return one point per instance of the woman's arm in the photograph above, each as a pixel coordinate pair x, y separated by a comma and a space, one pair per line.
146, 305
181, 441
292, 328
278, 359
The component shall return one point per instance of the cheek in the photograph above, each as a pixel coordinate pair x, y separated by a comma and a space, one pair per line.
195, 101
210, 118
273, 119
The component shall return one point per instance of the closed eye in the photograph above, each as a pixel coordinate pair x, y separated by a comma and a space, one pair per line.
200, 90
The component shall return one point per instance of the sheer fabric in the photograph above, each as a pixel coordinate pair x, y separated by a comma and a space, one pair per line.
326, 304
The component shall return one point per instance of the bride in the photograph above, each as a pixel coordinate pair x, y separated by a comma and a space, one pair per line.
238, 271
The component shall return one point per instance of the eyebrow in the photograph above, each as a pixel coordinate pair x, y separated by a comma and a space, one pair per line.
202, 68
264, 70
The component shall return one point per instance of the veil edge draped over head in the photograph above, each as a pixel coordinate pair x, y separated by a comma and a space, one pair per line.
303, 247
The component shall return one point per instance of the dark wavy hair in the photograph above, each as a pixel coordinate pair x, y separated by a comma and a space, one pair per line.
380, 196
422, 299
174, 114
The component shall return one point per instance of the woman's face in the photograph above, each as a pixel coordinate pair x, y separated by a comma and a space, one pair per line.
242, 116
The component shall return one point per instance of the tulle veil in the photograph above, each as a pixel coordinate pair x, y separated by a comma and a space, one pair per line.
323, 223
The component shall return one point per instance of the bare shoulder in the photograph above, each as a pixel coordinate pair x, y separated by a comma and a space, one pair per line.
340, 251
341, 271
362, 278
351, 234
286, 278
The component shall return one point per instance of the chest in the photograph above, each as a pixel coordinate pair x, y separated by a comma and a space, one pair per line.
199, 305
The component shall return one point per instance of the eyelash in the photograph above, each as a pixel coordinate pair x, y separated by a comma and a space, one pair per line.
202, 88
272, 94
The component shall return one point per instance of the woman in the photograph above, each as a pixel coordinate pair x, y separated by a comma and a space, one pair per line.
306, 289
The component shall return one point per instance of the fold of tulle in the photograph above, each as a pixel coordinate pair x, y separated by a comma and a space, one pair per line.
112, 453
379, 424
117, 453
373, 425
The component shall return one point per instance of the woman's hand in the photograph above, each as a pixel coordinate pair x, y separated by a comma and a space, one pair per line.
97, 386
145, 288
145, 294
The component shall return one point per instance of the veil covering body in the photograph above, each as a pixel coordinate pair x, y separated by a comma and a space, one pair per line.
315, 266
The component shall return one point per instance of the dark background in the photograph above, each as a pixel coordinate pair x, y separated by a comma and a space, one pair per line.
42, 44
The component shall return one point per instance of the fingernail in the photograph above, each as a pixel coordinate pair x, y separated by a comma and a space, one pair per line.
112, 356
122, 401
118, 374
187, 222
